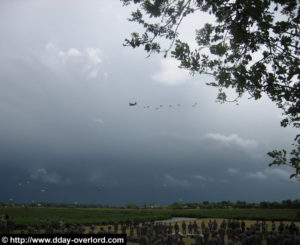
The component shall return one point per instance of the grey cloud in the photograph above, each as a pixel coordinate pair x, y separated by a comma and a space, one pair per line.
232, 171
202, 178
43, 176
169, 179
276, 173
257, 175
98, 178
232, 139
170, 74
98, 120
88, 60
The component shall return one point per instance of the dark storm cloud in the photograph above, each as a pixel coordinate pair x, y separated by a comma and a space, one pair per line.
65, 85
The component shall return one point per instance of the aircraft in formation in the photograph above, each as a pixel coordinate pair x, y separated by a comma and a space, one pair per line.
161, 106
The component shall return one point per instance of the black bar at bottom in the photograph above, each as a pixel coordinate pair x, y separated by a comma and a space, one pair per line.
63, 239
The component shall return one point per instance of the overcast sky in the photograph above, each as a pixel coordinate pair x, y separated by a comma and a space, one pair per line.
65, 84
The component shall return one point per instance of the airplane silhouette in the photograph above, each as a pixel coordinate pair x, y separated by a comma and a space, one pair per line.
132, 104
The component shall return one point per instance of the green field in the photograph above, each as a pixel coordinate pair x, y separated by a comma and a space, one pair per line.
31, 215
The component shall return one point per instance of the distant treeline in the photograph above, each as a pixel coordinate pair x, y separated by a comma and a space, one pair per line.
285, 204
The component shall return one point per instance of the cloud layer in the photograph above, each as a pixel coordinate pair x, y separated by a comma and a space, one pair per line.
43, 176
276, 173
232, 139
88, 60
65, 84
170, 74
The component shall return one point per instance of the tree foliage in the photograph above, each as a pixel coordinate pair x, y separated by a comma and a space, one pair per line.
253, 48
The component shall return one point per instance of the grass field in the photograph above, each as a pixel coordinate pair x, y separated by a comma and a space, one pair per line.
30, 216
